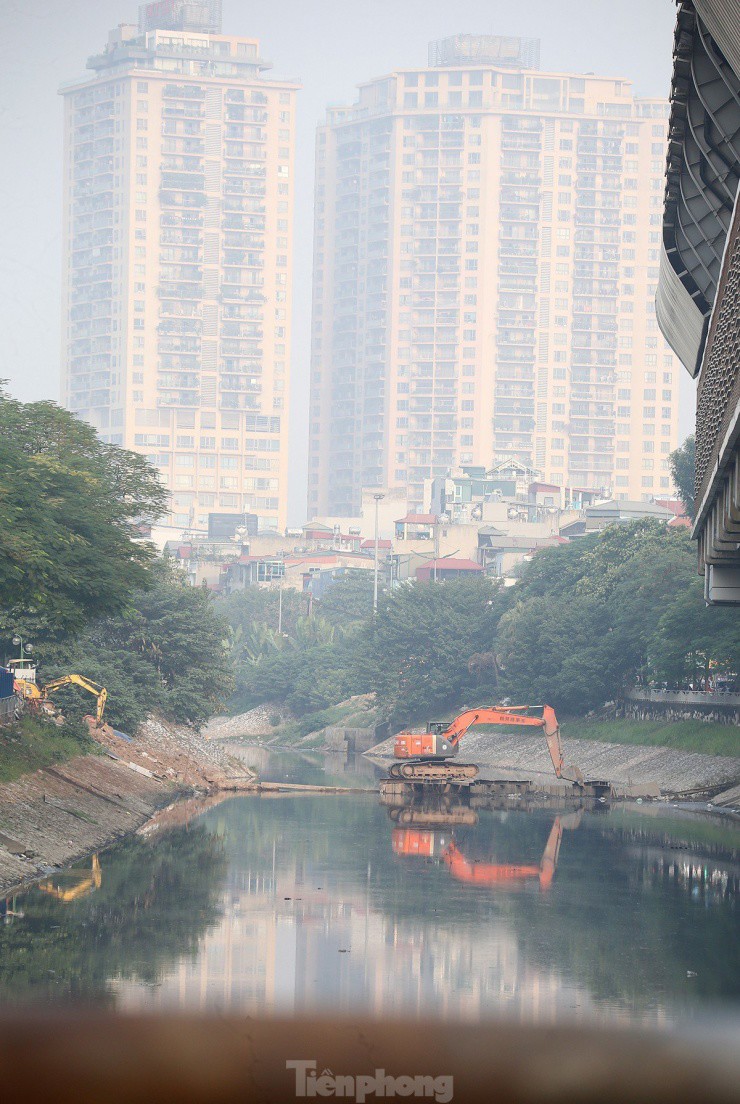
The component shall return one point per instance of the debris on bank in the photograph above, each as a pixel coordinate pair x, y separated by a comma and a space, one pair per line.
176, 754
260, 721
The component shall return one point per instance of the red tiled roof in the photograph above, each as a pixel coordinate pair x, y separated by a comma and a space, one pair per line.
417, 519
675, 505
371, 543
680, 521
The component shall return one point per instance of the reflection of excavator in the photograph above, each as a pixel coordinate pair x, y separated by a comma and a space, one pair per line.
433, 816
41, 694
431, 844
429, 750
86, 883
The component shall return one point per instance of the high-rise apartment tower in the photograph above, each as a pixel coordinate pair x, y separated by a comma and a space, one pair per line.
486, 255
178, 197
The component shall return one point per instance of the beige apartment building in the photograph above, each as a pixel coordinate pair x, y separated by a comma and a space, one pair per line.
178, 198
486, 256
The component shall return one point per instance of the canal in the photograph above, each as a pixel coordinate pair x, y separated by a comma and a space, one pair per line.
315, 903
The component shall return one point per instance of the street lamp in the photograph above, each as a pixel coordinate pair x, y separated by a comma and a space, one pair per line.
377, 498
26, 649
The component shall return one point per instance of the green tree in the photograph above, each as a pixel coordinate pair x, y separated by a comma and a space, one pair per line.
416, 655
349, 600
683, 470
691, 640
588, 619
69, 505
165, 654
261, 606
584, 621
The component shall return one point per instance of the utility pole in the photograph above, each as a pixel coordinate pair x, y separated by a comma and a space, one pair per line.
439, 519
436, 546
377, 498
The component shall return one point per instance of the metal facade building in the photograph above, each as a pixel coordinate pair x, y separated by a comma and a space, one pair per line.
698, 300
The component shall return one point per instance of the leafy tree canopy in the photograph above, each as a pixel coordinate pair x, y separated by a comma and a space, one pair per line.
588, 619
349, 601
683, 470
167, 653
68, 508
584, 621
416, 655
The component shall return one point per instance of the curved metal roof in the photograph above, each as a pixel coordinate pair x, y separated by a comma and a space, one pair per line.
703, 171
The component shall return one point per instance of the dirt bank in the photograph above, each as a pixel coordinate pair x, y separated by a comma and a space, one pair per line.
57, 814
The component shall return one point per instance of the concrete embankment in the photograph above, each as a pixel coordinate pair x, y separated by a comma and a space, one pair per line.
671, 771
58, 814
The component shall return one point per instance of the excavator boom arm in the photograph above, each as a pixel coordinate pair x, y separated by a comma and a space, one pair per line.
517, 716
514, 716
84, 683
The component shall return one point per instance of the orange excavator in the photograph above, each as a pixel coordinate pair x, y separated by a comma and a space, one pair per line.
427, 753
430, 844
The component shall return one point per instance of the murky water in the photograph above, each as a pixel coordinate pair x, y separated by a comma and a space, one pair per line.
295, 903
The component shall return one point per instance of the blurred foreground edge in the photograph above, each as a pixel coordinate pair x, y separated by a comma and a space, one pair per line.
99, 1057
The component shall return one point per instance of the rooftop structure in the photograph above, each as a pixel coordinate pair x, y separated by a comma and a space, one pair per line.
181, 15
473, 49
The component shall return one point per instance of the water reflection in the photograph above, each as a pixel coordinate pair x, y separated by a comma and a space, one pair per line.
307, 767
69, 885
307, 903
131, 913
434, 843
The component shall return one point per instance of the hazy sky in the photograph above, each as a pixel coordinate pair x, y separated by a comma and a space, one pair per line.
331, 45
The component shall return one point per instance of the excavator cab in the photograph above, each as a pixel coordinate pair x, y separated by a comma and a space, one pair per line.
436, 728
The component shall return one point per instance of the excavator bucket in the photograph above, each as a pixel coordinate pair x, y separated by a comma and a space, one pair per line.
552, 735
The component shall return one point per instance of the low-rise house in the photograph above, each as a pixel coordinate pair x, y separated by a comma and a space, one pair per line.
449, 568
293, 572
385, 547
500, 553
415, 527
616, 512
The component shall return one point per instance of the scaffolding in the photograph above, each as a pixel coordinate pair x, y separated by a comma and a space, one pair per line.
470, 49
203, 16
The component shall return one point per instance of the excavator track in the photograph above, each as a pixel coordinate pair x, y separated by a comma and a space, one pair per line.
434, 772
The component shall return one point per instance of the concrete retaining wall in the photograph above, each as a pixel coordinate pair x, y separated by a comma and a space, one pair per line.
657, 710
10, 708
340, 738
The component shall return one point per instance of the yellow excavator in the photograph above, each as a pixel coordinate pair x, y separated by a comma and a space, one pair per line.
41, 694
85, 883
